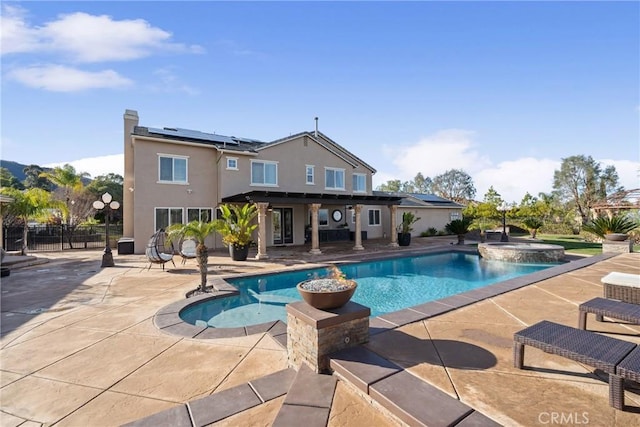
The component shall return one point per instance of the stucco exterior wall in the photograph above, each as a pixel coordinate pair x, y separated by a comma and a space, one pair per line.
437, 218
200, 191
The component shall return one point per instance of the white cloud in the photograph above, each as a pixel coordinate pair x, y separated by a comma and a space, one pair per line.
59, 78
87, 38
15, 34
169, 82
512, 179
96, 166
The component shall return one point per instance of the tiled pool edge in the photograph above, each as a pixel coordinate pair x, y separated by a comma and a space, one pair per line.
167, 319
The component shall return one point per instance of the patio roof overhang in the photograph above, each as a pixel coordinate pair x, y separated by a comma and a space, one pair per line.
282, 197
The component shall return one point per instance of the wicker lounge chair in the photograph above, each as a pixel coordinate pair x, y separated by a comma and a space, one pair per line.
611, 308
188, 250
620, 359
622, 286
159, 250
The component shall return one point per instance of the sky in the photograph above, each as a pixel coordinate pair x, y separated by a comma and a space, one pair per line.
501, 90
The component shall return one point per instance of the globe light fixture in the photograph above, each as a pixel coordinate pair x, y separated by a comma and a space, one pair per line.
107, 203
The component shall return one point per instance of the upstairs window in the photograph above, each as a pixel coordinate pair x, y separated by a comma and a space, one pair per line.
334, 179
359, 183
310, 176
172, 169
264, 173
232, 163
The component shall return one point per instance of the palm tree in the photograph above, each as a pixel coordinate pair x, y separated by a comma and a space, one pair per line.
198, 231
460, 227
26, 205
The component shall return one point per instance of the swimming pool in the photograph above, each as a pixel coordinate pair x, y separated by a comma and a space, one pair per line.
384, 286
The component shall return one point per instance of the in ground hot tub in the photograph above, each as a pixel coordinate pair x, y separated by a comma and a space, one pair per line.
521, 252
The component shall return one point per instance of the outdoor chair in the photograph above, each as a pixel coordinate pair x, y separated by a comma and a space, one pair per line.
159, 250
614, 309
620, 359
188, 250
622, 286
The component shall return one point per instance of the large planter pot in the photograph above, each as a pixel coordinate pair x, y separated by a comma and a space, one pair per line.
239, 253
616, 237
326, 293
404, 239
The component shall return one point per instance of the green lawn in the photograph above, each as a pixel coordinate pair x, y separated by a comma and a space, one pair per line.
575, 244
572, 243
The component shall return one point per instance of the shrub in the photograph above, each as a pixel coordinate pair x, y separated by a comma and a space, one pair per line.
607, 225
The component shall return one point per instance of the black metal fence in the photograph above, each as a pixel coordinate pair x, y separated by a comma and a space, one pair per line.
60, 237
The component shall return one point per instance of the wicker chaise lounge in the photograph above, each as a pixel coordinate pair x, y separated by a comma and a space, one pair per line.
607, 307
620, 359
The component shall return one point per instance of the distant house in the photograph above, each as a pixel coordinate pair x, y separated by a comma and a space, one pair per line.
433, 211
307, 187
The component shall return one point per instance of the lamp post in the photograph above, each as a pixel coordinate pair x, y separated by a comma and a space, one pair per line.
504, 208
107, 203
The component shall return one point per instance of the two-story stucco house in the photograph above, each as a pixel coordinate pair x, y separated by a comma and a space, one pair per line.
308, 189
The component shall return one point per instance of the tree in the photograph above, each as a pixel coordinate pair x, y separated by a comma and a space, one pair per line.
75, 200
27, 205
198, 231
582, 183
392, 186
454, 184
7, 179
34, 179
421, 184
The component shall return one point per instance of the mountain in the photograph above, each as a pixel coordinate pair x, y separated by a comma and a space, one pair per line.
15, 168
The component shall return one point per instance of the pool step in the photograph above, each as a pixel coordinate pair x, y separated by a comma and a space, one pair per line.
308, 400
223, 404
405, 396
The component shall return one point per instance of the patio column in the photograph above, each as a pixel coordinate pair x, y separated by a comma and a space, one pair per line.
262, 230
358, 237
315, 240
394, 235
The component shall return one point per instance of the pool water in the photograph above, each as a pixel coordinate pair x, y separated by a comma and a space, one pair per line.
384, 286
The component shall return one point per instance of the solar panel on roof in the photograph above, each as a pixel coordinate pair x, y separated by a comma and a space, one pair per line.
193, 134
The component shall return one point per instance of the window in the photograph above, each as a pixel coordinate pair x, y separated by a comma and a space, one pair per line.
264, 173
374, 216
359, 183
172, 168
199, 214
232, 163
168, 216
334, 179
323, 216
309, 175
454, 215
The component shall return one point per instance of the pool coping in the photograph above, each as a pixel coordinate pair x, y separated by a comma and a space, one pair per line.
168, 320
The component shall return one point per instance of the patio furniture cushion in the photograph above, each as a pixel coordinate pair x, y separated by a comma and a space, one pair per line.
622, 286
592, 349
158, 250
610, 308
188, 250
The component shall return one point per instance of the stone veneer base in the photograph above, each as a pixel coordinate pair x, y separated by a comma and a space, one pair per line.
313, 334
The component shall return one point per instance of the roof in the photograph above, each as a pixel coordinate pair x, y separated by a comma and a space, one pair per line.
232, 143
418, 200
306, 198
326, 142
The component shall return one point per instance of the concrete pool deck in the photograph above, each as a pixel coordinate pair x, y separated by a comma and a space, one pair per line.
79, 346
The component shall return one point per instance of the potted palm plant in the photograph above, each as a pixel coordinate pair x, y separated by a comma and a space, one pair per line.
198, 231
613, 228
406, 227
236, 228
533, 224
459, 227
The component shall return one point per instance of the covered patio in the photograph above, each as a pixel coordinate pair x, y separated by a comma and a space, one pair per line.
267, 200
